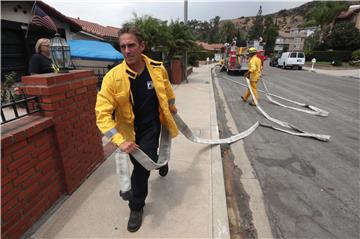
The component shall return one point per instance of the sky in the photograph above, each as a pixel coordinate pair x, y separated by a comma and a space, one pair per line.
116, 12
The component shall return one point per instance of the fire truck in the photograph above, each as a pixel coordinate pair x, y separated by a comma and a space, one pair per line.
234, 59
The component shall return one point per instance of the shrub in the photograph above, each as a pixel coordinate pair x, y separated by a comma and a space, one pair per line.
329, 56
355, 56
6, 87
336, 63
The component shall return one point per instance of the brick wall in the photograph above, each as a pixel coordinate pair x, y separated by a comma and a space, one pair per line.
31, 173
69, 99
50, 154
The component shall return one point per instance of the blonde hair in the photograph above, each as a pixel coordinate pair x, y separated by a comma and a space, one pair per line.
39, 44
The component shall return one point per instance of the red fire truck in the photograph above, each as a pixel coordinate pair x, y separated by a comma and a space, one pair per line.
234, 59
261, 55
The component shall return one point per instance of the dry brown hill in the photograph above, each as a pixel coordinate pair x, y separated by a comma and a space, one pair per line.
285, 19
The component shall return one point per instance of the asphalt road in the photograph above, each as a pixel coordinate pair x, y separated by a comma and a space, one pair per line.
311, 188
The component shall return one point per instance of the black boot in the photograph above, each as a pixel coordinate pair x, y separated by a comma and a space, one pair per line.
126, 195
135, 220
163, 171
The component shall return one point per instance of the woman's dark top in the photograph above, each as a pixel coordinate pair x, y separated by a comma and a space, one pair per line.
40, 64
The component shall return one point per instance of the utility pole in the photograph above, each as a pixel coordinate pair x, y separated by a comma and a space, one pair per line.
185, 55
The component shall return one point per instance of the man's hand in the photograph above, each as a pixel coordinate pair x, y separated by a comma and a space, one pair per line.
247, 75
173, 109
128, 146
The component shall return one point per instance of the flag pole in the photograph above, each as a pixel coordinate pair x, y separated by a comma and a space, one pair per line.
32, 14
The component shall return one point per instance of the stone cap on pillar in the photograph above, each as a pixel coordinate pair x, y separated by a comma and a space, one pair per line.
55, 83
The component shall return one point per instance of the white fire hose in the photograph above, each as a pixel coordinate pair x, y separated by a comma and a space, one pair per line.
283, 123
310, 109
122, 159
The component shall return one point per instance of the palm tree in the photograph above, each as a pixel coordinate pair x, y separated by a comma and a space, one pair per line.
154, 31
181, 38
158, 35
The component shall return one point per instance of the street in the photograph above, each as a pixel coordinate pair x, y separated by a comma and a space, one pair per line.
310, 187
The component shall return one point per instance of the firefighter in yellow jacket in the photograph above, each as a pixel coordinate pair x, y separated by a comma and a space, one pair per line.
140, 96
253, 73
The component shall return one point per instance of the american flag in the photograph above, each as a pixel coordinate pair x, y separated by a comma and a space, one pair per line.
40, 18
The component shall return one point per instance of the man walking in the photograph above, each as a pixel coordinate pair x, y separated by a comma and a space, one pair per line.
253, 73
139, 94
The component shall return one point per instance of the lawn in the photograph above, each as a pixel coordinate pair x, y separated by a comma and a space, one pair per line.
327, 65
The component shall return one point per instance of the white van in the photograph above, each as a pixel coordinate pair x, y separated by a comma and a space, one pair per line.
292, 59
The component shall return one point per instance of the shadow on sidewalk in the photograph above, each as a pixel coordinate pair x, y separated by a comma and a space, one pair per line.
178, 182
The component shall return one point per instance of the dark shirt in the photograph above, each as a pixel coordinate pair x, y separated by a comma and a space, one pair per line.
40, 64
146, 104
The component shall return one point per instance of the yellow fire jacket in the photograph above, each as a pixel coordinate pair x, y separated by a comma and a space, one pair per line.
115, 96
255, 68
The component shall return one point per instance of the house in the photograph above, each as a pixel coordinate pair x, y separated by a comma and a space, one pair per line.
18, 38
353, 14
214, 48
91, 31
293, 39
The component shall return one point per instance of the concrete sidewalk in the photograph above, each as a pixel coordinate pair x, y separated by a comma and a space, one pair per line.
189, 202
354, 73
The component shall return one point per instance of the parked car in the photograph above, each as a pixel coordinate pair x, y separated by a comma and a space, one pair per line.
292, 59
274, 60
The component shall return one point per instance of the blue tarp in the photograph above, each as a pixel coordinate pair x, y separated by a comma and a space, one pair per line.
94, 50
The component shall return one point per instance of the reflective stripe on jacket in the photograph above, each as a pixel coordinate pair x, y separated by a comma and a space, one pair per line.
255, 68
115, 96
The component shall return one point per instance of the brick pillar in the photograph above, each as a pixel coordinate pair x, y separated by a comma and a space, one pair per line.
176, 71
69, 99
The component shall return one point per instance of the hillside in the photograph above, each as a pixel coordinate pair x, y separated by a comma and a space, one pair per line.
285, 19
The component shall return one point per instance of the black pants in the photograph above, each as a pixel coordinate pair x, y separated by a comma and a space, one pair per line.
147, 137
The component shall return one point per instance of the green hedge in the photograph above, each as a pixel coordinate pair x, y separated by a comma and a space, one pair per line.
344, 56
355, 55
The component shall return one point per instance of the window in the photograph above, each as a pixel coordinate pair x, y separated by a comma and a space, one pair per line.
301, 55
293, 55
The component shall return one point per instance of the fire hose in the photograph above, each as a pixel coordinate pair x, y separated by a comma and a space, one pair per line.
283, 123
122, 159
309, 108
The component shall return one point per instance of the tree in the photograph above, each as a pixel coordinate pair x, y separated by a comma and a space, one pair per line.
158, 35
270, 34
343, 36
323, 15
227, 31
256, 30
214, 36
324, 12
240, 37
311, 43
154, 31
181, 38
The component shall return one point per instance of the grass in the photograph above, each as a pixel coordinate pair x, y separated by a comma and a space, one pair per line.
327, 65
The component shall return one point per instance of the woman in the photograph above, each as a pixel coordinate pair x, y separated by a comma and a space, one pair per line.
40, 62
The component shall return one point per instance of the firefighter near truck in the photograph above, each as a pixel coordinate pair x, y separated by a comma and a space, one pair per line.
235, 59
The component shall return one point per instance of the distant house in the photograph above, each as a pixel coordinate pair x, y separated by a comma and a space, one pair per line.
352, 14
214, 48
16, 49
293, 39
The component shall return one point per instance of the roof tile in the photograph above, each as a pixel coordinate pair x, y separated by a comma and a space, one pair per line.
97, 29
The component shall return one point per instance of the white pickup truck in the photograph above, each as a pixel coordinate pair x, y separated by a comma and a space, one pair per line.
292, 59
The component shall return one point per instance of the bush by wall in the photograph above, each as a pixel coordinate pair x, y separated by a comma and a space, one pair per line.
344, 56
